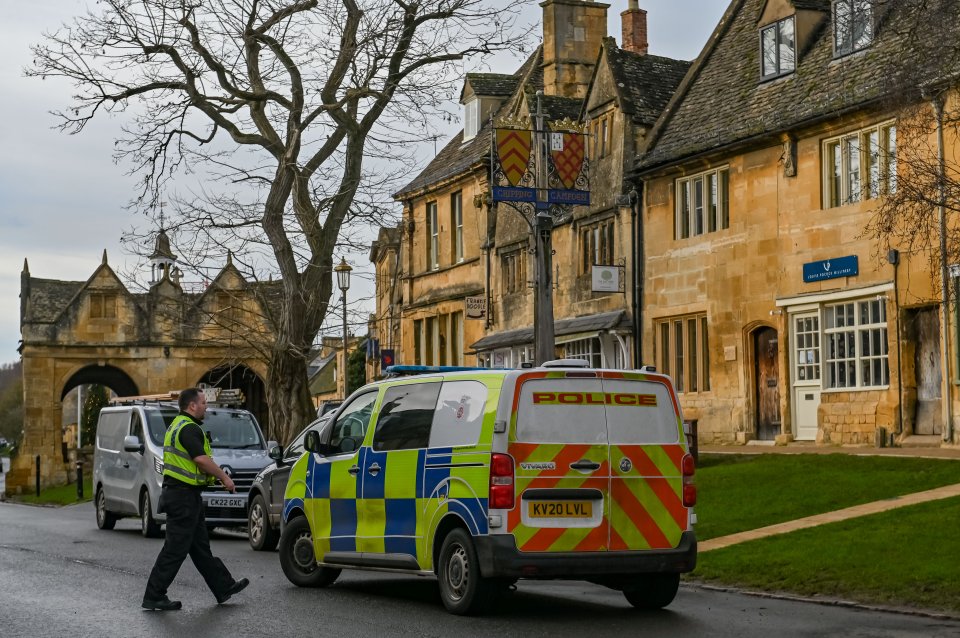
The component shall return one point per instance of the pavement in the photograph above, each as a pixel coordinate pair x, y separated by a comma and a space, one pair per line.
865, 509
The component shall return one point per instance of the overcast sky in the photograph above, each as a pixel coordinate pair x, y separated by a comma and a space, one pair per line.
62, 199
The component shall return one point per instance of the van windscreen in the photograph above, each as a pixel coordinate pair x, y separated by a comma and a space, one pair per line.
157, 423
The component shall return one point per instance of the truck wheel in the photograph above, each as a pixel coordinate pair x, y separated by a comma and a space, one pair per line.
653, 591
105, 518
262, 536
149, 526
297, 557
463, 590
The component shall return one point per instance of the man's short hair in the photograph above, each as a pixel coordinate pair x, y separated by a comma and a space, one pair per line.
188, 396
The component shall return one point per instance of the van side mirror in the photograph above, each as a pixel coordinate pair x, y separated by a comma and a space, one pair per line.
132, 444
276, 453
312, 442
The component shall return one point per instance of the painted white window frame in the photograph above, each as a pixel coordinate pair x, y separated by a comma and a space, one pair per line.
471, 119
855, 335
456, 221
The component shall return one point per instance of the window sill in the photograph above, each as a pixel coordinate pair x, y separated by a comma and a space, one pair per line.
866, 388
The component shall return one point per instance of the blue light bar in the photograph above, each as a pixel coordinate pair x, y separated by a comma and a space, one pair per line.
398, 371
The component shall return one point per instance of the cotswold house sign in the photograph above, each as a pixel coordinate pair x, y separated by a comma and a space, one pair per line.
831, 269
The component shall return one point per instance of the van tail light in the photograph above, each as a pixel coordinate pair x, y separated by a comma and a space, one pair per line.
501, 482
689, 467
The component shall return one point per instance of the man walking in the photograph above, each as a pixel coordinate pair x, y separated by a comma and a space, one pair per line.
188, 467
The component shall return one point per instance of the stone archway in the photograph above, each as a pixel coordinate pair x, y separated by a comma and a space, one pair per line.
109, 376
240, 377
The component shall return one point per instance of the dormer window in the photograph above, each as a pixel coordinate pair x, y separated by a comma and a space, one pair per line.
778, 45
852, 25
471, 120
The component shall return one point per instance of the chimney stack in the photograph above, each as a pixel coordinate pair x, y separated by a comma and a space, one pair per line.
573, 32
634, 21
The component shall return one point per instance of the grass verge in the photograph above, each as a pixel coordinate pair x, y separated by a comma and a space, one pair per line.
62, 495
736, 493
902, 558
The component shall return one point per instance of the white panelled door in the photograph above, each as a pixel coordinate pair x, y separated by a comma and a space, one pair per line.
805, 364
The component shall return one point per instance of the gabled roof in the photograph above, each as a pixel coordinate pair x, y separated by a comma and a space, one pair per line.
490, 84
722, 101
645, 83
48, 298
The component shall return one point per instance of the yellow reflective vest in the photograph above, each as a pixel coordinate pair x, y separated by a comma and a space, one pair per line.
177, 462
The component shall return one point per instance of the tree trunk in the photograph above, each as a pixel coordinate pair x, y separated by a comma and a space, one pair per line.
288, 395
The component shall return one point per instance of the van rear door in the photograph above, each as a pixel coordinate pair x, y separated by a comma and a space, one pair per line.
646, 508
558, 439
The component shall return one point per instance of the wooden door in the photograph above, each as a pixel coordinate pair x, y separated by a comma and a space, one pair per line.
767, 383
924, 329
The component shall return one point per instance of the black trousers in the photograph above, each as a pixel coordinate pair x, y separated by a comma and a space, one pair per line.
186, 535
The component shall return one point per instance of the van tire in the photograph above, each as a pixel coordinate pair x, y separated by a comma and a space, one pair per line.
297, 557
149, 526
462, 588
652, 591
261, 534
105, 518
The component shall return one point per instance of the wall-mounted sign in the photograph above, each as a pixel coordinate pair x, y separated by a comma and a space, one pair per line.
475, 307
831, 269
606, 279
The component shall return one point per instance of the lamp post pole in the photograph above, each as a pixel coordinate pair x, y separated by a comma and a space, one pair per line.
544, 341
343, 281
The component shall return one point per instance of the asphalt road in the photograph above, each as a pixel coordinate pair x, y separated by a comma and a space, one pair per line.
61, 576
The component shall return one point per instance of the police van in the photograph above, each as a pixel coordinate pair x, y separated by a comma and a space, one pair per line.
483, 477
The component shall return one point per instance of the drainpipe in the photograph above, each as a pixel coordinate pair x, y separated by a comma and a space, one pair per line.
947, 408
637, 270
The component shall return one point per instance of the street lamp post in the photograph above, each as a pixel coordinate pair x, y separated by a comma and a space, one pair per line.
343, 281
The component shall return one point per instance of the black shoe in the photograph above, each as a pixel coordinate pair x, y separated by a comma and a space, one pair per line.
164, 604
237, 587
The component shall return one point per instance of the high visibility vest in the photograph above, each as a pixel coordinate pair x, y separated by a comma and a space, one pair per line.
177, 462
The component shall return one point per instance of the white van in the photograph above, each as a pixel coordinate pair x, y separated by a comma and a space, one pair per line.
128, 462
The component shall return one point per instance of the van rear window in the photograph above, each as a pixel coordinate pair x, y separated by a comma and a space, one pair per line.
561, 411
640, 413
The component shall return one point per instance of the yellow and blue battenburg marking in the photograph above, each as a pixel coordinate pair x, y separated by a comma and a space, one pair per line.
395, 510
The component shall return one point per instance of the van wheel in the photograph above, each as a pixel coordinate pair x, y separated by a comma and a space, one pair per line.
105, 519
149, 526
653, 591
262, 536
463, 590
297, 557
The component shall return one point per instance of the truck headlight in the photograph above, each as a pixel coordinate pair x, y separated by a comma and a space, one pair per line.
157, 465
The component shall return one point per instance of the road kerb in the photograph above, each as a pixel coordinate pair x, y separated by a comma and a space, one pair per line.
866, 509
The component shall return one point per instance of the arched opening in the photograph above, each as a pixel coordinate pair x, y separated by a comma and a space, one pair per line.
76, 394
240, 377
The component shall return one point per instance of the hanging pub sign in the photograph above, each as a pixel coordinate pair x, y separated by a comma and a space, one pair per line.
475, 307
513, 162
567, 178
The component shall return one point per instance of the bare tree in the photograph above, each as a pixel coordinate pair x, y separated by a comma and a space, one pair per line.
276, 105
919, 87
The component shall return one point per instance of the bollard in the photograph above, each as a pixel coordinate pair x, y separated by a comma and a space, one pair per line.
79, 480
38, 476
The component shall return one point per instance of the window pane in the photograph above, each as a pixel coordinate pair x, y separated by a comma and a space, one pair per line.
405, 417
705, 357
664, 362
769, 44
459, 414
787, 46
862, 23
842, 26
873, 164
891, 159
693, 350
852, 152
678, 355
352, 423
712, 192
698, 205
684, 212
725, 199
